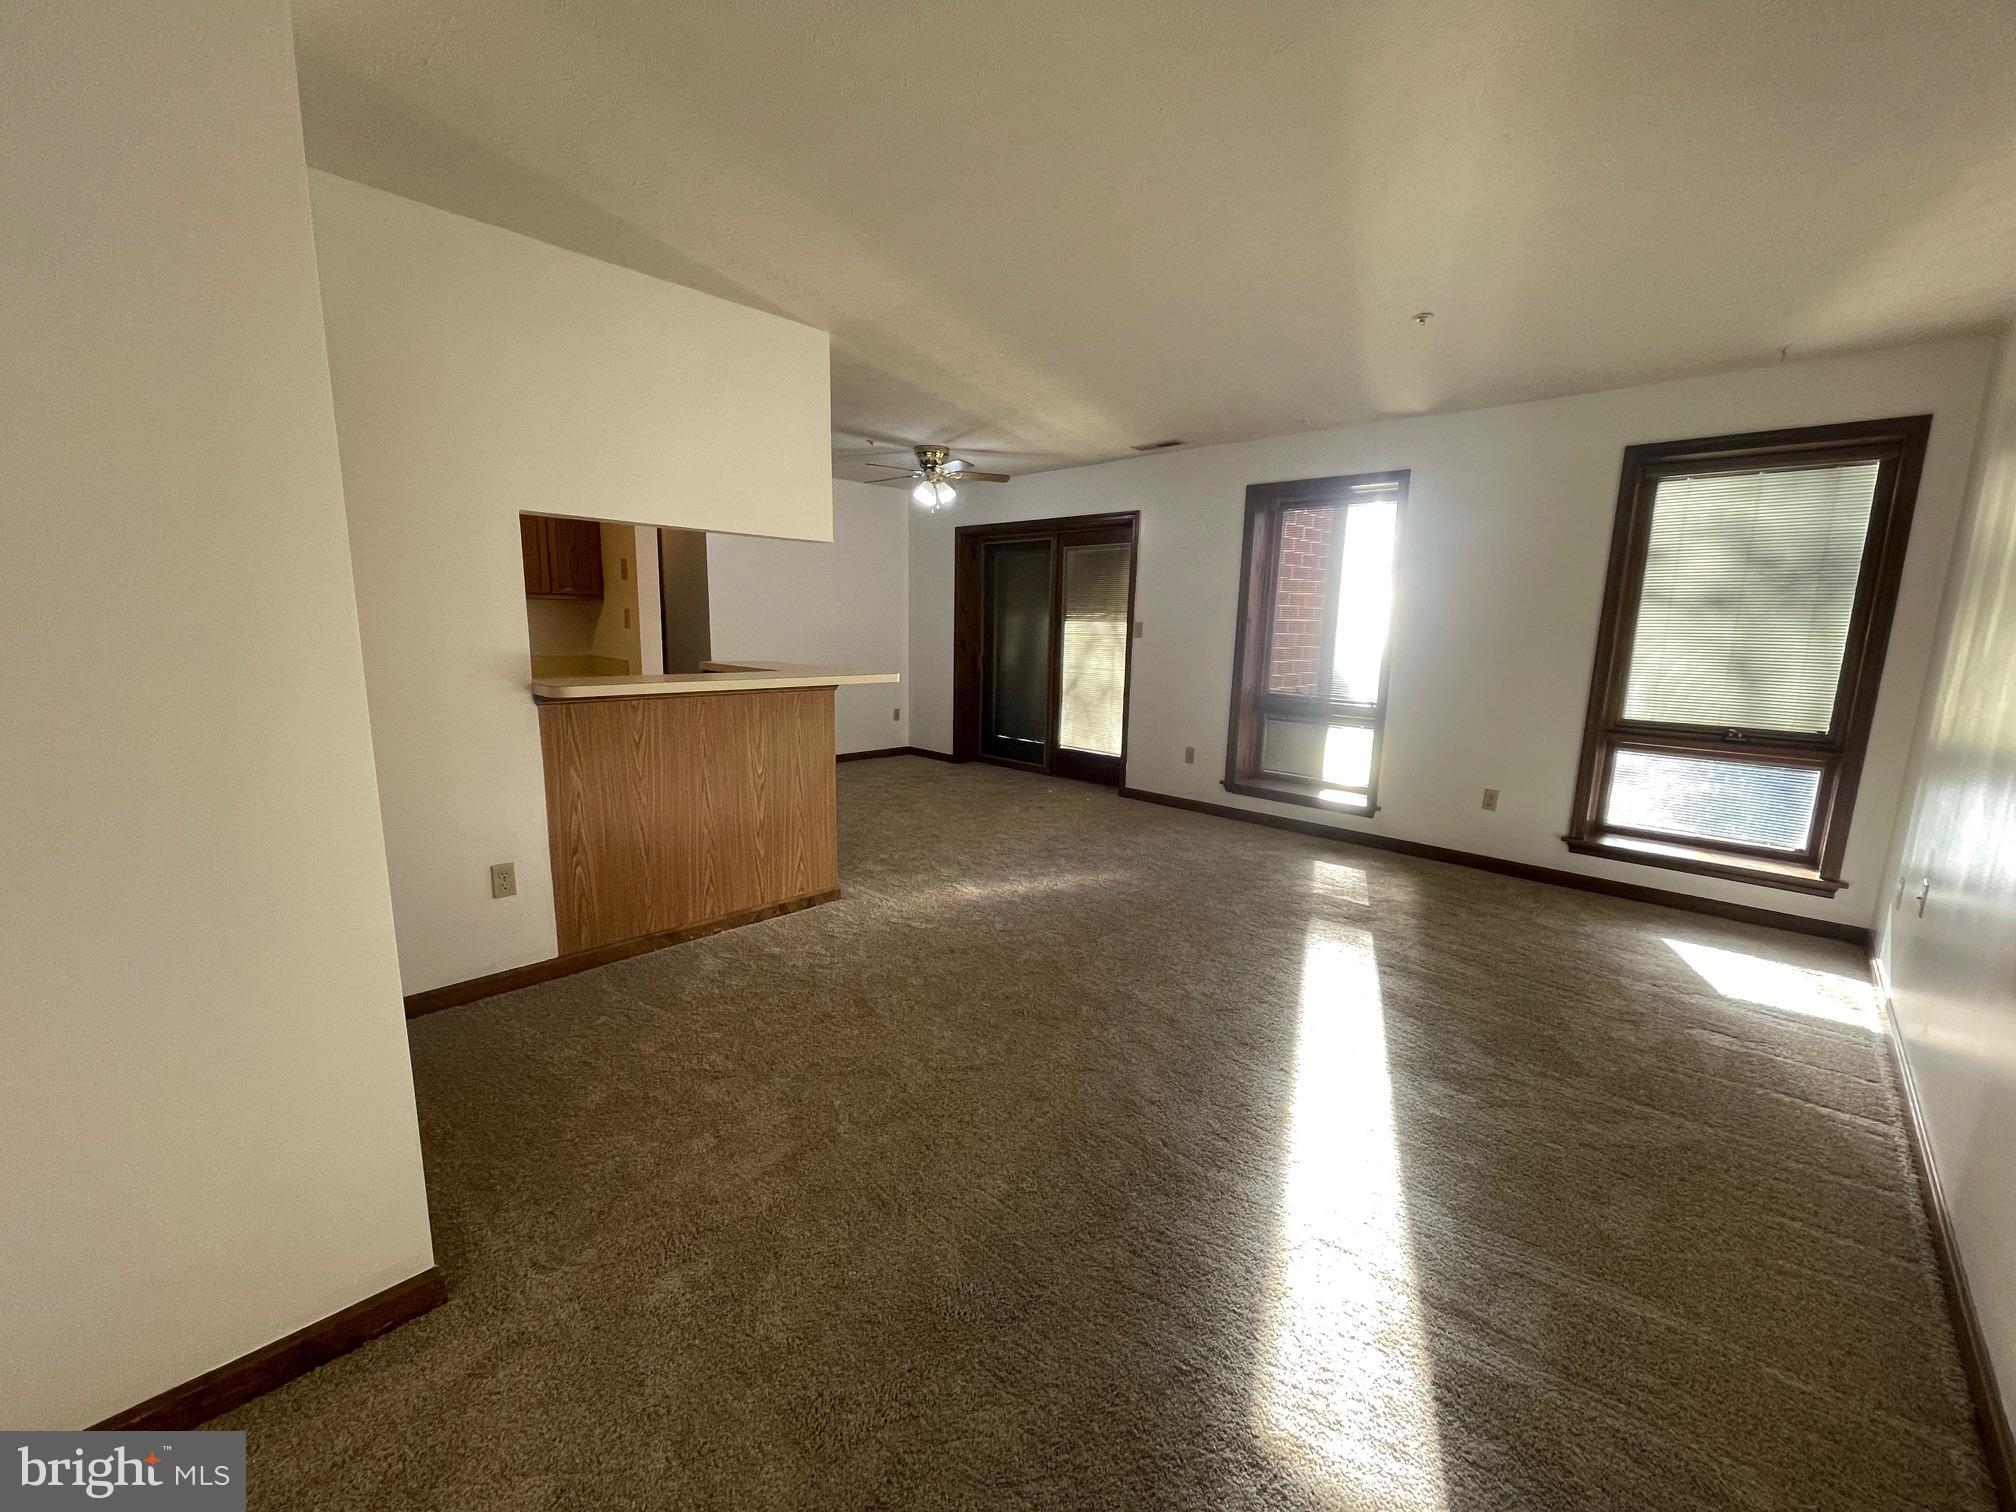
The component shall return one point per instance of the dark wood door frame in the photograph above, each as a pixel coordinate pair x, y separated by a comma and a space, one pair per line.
969, 626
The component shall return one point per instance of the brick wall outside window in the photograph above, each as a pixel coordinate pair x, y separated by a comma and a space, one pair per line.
1295, 649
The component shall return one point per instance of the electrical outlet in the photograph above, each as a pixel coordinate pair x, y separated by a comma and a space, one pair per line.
1491, 798
896, 714
1189, 755
504, 880
1137, 629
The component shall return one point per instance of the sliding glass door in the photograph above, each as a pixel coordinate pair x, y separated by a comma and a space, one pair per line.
1044, 632
1015, 669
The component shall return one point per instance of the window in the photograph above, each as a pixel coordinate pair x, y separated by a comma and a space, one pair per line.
1309, 671
1752, 582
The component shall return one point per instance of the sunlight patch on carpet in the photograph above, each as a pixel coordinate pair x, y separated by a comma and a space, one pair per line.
1344, 1395
1746, 978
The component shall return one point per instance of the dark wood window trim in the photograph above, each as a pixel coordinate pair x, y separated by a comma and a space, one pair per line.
1898, 446
969, 635
1252, 703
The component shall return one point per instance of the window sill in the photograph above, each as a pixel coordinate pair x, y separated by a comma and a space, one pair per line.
1277, 792
1706, 863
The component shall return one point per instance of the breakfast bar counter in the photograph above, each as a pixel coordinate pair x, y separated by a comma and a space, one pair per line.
680, 804
713, 677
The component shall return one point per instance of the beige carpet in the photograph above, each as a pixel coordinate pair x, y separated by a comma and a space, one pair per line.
1094, 1155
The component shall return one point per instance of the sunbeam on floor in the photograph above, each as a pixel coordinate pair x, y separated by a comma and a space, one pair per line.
1345, 1395
1743, 977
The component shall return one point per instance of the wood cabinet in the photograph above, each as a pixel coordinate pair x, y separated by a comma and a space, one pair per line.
563, 558
682, 811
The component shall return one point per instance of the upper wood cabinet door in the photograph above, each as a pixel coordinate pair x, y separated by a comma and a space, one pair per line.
563, 558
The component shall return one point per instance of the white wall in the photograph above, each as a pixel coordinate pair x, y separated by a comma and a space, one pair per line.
650, 606
1952, 974
839, 605
479, 374
207, 1136
1502, 561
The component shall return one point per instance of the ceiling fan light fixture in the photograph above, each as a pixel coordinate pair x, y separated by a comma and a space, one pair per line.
933, 495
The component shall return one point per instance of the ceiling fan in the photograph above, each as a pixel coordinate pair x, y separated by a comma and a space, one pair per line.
937, 470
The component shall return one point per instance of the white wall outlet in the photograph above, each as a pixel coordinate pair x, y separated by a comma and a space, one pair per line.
1137, 629
1491, 798
1189, 755
504, 880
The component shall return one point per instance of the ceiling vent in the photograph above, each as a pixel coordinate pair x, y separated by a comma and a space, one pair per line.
1158, 445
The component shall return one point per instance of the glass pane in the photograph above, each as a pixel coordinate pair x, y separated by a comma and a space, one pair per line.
1749, 583
1711, 798
1095, 648
1301, 591
1364, 600
1336, 755
1015, 694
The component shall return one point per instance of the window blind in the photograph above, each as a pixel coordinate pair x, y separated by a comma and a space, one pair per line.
1095, 648
1749, 585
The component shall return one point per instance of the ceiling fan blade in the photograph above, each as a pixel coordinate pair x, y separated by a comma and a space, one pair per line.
906, 446
967, 475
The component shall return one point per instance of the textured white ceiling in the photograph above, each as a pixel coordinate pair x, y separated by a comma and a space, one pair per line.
1060, 228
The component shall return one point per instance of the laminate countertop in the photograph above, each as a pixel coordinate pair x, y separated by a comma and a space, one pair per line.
713, 677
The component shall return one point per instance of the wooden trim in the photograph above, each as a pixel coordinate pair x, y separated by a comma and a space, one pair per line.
1991, 1418
534, 972
1253, 630
1731, 866
969, 634
237, 1382
1854, 934
870, 755
1898, 446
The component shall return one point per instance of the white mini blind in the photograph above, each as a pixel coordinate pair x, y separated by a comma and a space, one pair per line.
1095, 648
1749, 585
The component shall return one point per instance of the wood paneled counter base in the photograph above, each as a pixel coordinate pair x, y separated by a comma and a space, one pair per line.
667, 813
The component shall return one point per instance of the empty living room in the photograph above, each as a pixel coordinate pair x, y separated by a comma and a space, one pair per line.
1215, 758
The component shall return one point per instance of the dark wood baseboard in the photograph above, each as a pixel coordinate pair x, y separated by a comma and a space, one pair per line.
238, 1382
934, 755
1854, 934
533, 972
872, 755
1991, 1418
